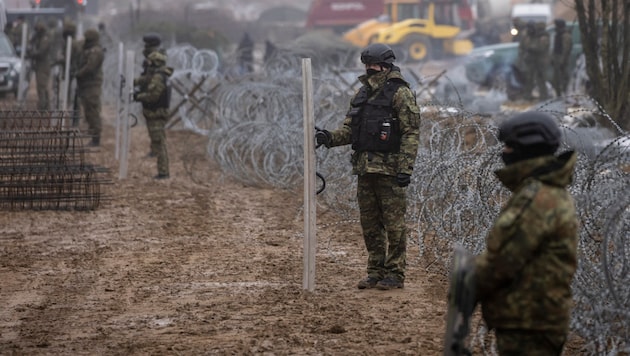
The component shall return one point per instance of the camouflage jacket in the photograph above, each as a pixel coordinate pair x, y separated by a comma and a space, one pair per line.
408, 113
154, 92
40, 50
90, 68
523, 279
563, 44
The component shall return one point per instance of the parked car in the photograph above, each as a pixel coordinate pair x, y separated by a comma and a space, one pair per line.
10, 66
490, 66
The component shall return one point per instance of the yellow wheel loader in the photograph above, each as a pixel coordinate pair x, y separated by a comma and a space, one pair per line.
436, 33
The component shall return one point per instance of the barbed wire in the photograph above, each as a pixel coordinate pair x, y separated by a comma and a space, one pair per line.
253, 122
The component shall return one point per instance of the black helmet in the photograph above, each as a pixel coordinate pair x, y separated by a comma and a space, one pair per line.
530, 134
377, 53
152, 39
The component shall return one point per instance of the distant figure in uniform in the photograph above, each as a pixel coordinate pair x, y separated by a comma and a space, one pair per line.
560, 56
15, 33
106, 40
523, 278
152, 43
533, 60
40, 55
89, 83
154, 96
519, 27
270, 51
382, 125
245, 54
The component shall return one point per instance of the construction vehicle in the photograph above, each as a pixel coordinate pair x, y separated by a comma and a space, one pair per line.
441, 29
392, 11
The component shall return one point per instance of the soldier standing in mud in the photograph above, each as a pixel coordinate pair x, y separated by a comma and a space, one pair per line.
89, 77
531, 61
154, 96
39, 53
562, 46
152, 43
523, 279
382, 125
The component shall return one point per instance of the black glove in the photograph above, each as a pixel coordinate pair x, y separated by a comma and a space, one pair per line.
403, 179
323, 137
135, 95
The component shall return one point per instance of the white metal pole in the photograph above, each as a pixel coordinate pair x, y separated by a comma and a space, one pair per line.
66, 78
119, 103
310, 240
21, 81
127, 92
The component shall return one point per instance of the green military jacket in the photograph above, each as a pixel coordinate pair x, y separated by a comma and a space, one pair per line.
90, 68
560, 55
40, 50
523, 279
408, 113
153, 92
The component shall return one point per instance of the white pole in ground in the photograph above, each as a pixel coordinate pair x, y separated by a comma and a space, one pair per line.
121, 83
66, 79
310, 237
22, 78
127, 90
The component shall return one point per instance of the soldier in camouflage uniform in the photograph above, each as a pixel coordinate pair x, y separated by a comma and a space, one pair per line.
536, 60
382, 125
89, 83
152, 43
562, 46
39, 53
523, 279
154, 97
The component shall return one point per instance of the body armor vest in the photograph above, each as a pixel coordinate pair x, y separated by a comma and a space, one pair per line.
374, 127
165, 99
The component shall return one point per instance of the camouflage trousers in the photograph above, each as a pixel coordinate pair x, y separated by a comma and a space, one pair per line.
42, 80
527, 342
561, 77
535, 77
382, 205
156, 122
90, 99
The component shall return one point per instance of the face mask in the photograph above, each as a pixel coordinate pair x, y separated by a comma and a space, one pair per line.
370, 72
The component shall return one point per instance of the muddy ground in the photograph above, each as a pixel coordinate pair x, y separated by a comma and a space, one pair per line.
199, 264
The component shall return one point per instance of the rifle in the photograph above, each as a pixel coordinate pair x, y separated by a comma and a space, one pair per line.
461, 303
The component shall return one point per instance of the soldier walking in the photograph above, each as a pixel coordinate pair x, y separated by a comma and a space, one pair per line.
382, 126
40, 55
154, 96
562, 46
89, 83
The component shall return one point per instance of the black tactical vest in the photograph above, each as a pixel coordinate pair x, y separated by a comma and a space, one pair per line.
165, 98
374, 125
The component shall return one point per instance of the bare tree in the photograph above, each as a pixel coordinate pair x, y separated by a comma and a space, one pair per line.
605, 31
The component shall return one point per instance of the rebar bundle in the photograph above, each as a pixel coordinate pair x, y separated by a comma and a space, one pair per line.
43, 163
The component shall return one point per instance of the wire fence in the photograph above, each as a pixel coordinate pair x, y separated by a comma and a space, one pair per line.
253, 122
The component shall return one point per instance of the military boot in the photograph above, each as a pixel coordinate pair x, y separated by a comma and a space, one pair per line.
389, 283
368, 283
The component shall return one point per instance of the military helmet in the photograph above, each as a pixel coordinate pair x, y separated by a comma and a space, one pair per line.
91, 35
69, 28
377, 53
152, 39
157, 58
530, 131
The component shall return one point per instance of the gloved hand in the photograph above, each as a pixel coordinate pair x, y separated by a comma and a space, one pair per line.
323, 137
403, 179
135, 95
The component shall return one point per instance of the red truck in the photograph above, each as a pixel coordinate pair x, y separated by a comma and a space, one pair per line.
341, 15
